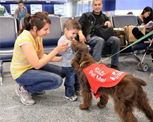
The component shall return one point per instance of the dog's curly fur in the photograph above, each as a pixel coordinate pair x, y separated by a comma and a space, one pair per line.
127, 94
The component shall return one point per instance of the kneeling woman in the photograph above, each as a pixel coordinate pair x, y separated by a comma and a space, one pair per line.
29, 66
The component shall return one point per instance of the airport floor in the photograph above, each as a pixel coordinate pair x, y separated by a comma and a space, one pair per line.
53, 107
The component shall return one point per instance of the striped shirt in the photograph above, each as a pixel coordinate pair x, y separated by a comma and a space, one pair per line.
19, 63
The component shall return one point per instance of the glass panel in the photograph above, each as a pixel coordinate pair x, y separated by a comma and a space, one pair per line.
84, 6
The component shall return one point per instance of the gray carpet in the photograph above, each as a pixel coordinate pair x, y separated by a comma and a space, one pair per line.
53, 107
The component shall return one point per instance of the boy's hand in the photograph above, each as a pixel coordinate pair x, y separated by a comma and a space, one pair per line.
82, 38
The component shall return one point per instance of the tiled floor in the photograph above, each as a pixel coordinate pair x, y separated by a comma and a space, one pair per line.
53, 107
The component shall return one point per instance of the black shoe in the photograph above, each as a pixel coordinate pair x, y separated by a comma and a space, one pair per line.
38, 93
115, 67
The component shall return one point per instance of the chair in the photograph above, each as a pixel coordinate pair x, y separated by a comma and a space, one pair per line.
8, 35
51, 39
63, 19
110, 19
125, 20
77, 18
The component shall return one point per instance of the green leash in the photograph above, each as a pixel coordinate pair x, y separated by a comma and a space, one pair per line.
145, 36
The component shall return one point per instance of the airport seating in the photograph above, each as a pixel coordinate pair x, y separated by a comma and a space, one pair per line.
63, 19
119, 21
125, 20
76, 17
8, 35
50, 40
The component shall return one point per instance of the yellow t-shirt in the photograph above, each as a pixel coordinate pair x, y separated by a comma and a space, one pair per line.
19, 63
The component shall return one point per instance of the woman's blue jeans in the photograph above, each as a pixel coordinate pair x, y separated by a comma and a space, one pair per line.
46, 78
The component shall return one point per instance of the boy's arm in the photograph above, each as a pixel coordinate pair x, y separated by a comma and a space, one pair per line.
82, 38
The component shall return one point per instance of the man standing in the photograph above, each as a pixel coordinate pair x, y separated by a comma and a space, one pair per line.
88, 21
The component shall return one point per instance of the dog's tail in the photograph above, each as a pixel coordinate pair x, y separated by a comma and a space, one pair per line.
140, 81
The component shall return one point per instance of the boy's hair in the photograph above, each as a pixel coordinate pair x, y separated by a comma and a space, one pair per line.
72, 24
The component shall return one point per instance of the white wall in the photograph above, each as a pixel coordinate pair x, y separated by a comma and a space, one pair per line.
124, 12
68, 9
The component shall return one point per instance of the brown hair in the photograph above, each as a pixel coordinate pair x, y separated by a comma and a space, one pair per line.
39, 20
20, 1
72, 24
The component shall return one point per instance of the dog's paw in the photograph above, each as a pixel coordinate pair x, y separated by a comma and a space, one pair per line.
83, 107
100, 105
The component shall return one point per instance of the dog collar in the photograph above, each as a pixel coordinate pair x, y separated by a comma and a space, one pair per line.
83, 63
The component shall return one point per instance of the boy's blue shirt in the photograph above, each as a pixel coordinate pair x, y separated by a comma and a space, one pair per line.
68, 54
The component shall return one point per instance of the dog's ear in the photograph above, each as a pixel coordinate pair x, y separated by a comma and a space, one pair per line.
79, 46
75, 61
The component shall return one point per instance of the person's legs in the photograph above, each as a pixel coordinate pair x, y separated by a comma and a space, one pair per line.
38, 80
138, 34
69, 81
69, 84
77, 84
98, 44
34, 81
114, 42
54, 69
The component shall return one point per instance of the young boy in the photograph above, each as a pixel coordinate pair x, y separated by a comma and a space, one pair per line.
72, 86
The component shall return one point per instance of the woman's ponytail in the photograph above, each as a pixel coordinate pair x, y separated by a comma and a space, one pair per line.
27, 23
39, 20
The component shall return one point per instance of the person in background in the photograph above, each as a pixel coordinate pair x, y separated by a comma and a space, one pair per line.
30, 67
145, 16
88, 35
3, 11
72, 85
21, 11
130, 13
144, 19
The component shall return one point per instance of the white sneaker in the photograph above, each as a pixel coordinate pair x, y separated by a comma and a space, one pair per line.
73, 98
25, 97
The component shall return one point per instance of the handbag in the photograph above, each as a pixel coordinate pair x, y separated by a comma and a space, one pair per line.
104, 31
121, 35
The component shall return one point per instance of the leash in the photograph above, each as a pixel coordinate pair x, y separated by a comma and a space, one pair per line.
145, 36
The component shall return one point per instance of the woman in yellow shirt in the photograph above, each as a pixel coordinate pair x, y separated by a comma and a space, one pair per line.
29, 65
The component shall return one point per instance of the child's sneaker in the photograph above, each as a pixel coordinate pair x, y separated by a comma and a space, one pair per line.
73, 98
78, 93
25, 96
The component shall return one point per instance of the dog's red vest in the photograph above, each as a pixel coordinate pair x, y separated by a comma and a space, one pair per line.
99, 75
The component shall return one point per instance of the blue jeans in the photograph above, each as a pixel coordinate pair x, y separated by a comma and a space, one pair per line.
98, 44
46, 78
71, 82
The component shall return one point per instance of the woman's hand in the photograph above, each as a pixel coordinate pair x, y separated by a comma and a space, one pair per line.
62, 47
